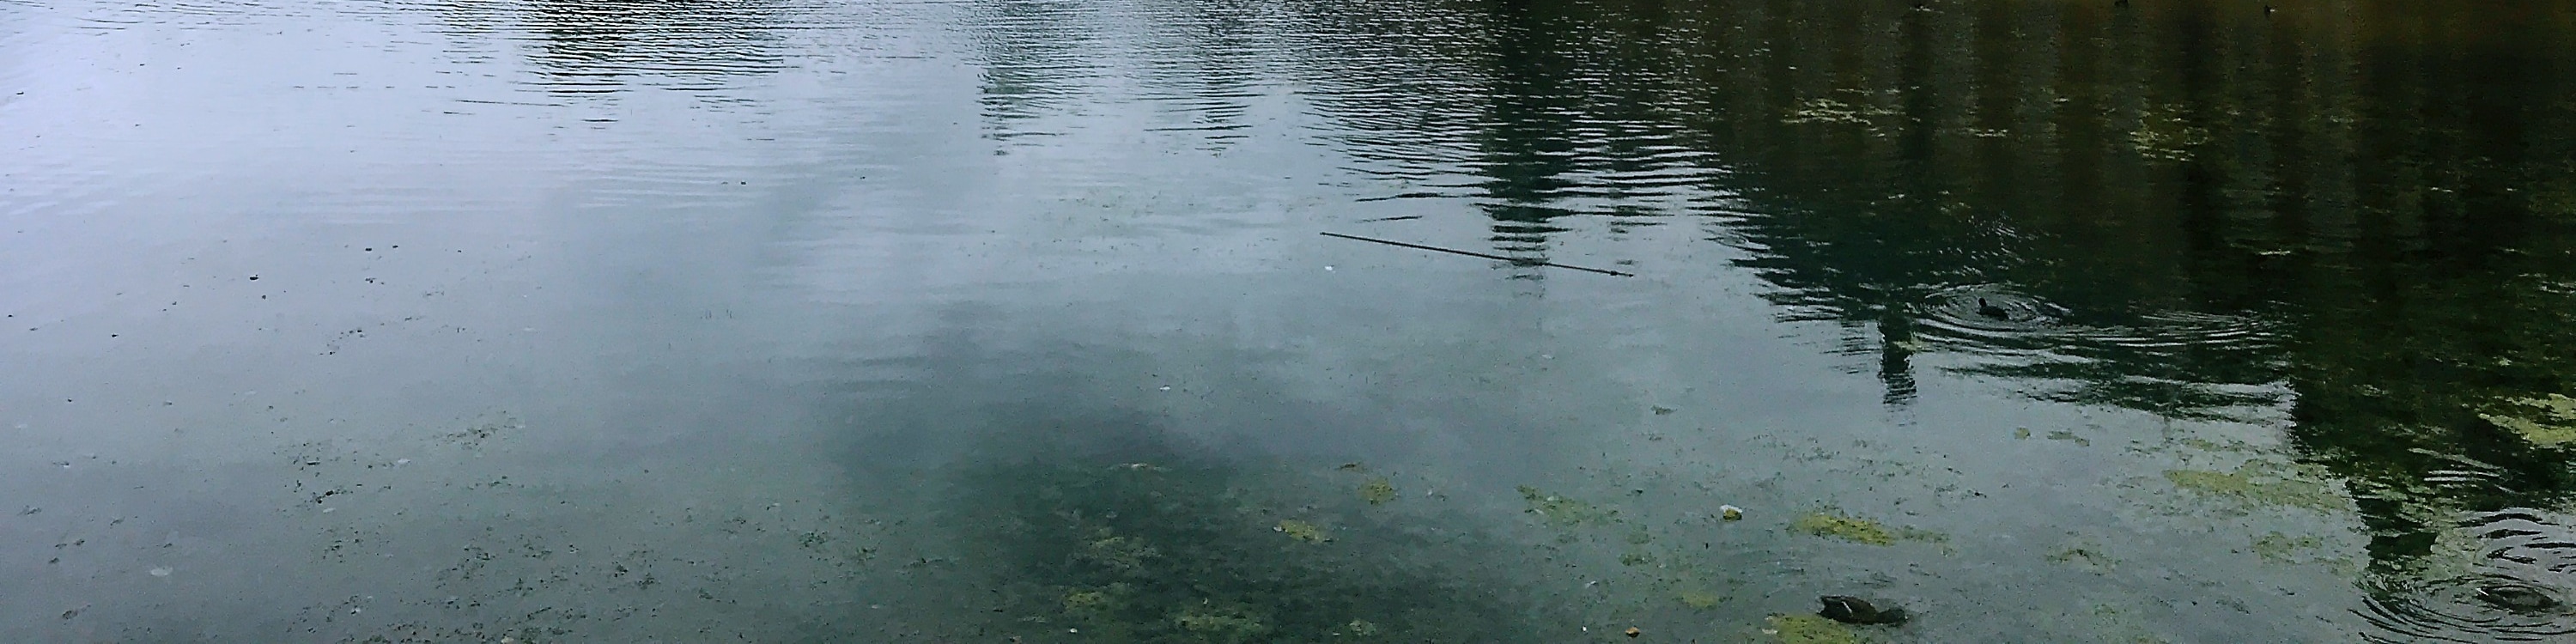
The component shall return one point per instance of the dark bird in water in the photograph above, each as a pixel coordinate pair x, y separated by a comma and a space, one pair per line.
1854, 610
2517, 598
1992, 311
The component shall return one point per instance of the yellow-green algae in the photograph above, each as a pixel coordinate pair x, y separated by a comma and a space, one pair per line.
2260, 483
1826, 110
1080, 541
2279, 547
1700, 599
1359, 628
1377, 491
1116, 552
2555, 428
1812, 629
1086, 600
1228, 626
1303, 531
2083, 556
1564, 512
1858, 530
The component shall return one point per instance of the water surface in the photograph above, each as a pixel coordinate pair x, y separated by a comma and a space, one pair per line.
991, 319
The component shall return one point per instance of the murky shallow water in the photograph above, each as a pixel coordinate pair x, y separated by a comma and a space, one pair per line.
880, 321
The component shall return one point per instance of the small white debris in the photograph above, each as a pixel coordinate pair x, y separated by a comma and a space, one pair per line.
402, 461
1167, 387
1328, 267
163, 571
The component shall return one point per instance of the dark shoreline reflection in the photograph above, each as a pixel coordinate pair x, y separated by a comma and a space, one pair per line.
2357, 215
603, 47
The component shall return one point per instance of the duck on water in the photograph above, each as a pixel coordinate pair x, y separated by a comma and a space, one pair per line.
1992, 311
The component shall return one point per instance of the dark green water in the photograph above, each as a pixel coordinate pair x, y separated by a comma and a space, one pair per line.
1008, 321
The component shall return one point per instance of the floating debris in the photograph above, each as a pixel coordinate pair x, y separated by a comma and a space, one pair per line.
1453, 251
1633, 632
1730, 513
1377, 491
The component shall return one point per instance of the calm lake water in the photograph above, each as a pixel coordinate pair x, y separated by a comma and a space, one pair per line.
1009, 320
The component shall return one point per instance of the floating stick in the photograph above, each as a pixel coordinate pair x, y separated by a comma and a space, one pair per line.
1476, 254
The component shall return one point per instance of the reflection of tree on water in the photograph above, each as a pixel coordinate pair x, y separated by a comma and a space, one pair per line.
2223, 208
1033, 57
596, 45
2357, 214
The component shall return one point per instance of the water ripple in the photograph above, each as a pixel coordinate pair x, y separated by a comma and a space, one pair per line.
2519, 589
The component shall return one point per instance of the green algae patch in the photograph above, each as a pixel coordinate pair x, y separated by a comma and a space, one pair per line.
1075, 545
2083, 557
1564, 512
1115, 552
1377, 491
1303, 531
1700, 599
1812, 629
1826, 110
2555, 427
2281, 547
1225, 626
1090, 601
2260, 483
1859, 530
